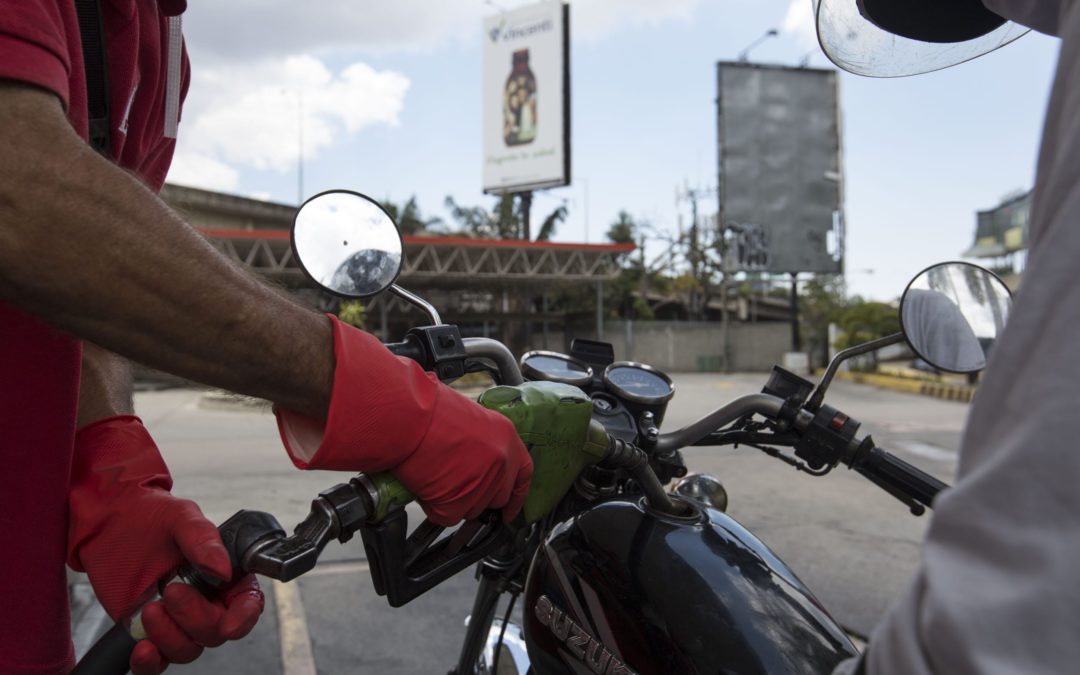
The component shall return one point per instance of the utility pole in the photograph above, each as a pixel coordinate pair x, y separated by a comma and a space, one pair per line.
694, 255
727, 264
796, 339
526, 214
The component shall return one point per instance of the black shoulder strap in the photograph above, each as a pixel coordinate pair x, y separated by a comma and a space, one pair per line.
92, 29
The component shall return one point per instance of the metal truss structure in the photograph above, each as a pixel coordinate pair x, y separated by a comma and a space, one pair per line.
506, 262
442, 262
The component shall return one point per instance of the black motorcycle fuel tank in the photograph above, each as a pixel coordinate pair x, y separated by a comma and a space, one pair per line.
621, 590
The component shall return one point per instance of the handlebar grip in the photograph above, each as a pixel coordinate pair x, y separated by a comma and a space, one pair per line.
110, 655
408, 348
895, 473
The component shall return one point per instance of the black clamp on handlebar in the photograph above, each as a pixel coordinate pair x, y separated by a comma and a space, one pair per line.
443, 348
826, 438
403, 568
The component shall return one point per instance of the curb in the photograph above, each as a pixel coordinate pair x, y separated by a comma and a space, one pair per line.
961, 393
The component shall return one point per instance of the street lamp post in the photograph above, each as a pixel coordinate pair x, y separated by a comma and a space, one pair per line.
744, 55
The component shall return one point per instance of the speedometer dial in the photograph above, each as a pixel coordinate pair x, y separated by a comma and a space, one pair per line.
555, 367
638, 383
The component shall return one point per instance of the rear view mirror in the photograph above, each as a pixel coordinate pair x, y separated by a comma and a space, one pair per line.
347, 243
952, 314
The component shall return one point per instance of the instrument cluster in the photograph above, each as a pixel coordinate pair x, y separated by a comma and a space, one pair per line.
622, 385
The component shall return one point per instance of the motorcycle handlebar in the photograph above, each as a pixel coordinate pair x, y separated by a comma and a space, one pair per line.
895, 475
409, 349
763, 404
486, 348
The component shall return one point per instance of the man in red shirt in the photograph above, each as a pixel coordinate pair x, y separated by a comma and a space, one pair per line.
87, 250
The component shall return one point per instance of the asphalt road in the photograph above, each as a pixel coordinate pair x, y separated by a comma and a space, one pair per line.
853, 544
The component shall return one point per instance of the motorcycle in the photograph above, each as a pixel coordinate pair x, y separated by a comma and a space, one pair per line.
599, 536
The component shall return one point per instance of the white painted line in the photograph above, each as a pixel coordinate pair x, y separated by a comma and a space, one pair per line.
296, 656
927, 450
351, 567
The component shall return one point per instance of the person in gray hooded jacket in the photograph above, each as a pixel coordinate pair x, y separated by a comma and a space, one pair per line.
996, 591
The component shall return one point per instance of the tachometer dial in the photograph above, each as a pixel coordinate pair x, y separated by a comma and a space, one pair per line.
555, 367
639, 383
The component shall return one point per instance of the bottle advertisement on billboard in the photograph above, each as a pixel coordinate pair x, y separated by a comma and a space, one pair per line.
526, 99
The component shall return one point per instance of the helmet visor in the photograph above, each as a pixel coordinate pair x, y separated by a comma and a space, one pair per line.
859, 46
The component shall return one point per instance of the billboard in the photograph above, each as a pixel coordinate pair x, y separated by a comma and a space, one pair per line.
1002, 230
781, 192
526, 102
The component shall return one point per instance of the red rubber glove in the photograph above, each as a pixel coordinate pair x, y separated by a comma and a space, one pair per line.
387, 414
127, 533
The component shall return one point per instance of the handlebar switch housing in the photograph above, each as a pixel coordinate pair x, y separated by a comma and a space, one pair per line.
444, 349
827, 438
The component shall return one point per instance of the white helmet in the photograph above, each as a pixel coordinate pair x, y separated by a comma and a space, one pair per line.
893, 38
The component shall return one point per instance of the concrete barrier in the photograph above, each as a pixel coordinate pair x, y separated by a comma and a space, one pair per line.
950, 392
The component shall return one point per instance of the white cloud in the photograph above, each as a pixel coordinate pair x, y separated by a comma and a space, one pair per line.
253, 60
799, 22
249, 114
256, 29
197, 170
595, 19
245, 29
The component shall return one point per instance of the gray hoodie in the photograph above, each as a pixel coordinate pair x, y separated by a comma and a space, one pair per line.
998, 589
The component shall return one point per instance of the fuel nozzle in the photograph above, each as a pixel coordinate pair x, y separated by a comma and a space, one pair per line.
264, 549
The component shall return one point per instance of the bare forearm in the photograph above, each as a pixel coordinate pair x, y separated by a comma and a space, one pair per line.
105, 386
89, 249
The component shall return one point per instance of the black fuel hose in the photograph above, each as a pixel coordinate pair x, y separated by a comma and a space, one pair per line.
110, 655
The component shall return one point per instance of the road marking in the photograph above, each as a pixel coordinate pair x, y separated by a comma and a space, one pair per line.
350, 567
296, 656
927, 450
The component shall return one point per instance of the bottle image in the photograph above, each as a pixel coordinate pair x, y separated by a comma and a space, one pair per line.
519, 102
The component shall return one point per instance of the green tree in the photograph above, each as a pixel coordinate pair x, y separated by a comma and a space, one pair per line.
627, 296
352, 313
472, 221
623, 230
863, 321
408, 217
822, 301
505, 220
552, 221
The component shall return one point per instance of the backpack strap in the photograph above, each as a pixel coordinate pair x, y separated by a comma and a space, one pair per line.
92, 29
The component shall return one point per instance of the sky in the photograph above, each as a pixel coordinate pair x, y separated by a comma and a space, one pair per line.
387, 99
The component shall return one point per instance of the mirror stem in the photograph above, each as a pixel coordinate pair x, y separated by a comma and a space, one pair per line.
417, 301
819, 394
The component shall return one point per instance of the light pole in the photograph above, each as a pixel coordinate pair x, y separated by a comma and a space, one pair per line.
744, 55
299, 93
300, 146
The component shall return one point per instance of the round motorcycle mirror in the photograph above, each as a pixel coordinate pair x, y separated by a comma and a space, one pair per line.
347, 243
952, 313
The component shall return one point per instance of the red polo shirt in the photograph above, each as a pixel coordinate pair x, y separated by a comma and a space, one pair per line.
39, 366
